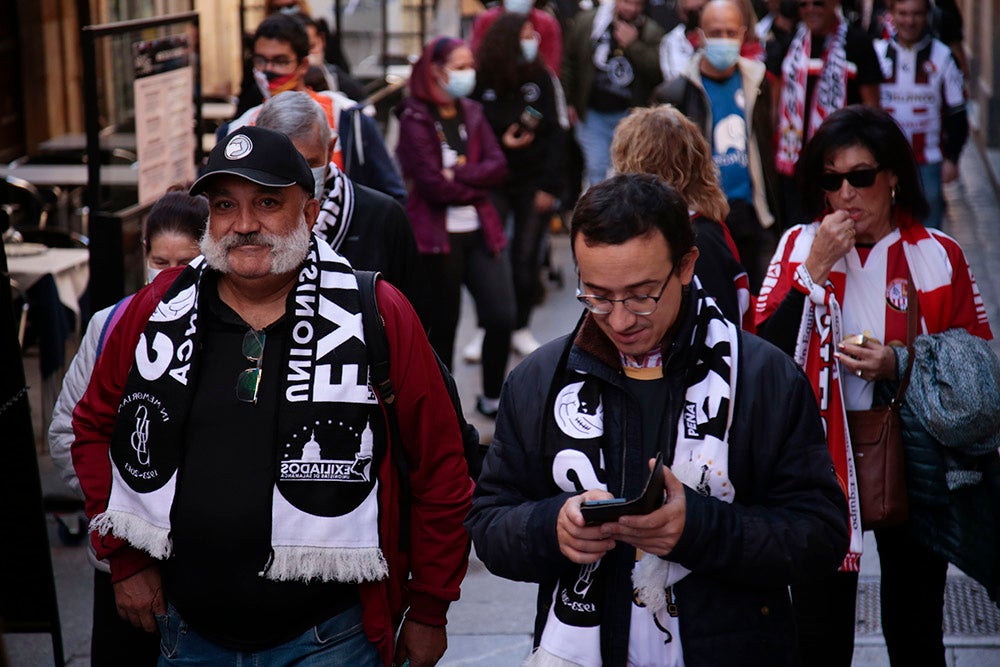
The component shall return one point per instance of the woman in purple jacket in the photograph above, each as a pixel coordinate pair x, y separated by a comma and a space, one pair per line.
451, 161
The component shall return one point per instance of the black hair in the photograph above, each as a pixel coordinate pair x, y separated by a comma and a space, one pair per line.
285, 28
499, 62
628, 206
176, 212
875, 130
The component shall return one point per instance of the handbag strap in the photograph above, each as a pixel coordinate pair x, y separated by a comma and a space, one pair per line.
912, 322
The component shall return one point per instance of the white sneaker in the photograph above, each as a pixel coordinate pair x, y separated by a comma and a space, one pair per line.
472, 353
523, 342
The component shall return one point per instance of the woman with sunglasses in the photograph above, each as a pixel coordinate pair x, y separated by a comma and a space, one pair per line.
852, 270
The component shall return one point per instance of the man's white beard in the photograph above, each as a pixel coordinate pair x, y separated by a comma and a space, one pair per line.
287, 252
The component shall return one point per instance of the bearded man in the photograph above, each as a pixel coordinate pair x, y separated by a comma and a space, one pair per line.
250, 502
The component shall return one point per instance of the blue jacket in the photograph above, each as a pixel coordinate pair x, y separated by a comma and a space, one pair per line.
788, 523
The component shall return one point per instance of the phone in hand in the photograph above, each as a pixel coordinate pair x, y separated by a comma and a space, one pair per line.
596, 512
530, 119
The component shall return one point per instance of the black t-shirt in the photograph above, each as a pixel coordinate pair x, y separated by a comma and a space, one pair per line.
451, 131
221, 517
859, 51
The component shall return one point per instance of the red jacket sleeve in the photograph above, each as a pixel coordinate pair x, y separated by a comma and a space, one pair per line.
94, 421
440, 484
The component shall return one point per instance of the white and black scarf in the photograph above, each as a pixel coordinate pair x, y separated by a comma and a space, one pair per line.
330, 432
337, 208
574, 436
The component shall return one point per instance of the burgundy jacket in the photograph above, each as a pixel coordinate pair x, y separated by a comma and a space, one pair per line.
424, 581
430, 193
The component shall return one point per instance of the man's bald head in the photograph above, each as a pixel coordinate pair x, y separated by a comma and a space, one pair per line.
725, 11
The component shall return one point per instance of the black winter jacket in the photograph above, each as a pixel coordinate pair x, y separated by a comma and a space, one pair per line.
788, 523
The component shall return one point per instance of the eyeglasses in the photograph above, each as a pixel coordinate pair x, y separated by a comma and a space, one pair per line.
859, 178
278, 63
248, 382
637, 305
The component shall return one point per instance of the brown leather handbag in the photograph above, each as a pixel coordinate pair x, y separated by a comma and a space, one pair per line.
877, 443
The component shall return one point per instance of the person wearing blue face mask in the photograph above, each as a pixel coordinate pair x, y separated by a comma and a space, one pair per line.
729, 98
452, 162
519, 99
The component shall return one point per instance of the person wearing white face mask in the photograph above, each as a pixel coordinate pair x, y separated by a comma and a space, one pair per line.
519, 100
452, 163
175, 224
369, 228
729, 98
550, 41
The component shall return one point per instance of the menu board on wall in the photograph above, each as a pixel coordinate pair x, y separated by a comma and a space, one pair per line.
164, 114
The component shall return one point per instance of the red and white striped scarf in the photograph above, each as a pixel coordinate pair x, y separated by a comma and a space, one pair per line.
797, 124
948, 297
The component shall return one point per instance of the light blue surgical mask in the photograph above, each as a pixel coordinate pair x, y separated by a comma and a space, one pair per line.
722, 53
319, 176
529, 49
151, 274
461, 82
518, 6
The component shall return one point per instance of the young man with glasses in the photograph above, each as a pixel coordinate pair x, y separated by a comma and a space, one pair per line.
280, 62
250, 502
750, 503
827, 66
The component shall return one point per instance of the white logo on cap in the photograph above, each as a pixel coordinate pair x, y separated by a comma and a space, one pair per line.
238, 147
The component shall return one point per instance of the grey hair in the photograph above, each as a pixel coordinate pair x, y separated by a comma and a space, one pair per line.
296, 115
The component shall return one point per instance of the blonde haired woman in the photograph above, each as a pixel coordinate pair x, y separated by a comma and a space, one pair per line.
662, 141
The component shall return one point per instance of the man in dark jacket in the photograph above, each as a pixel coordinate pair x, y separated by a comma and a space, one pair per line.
750, 501
729, 98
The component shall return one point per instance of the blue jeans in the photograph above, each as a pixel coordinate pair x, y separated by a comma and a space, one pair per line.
594, 134
930, 177
337, 641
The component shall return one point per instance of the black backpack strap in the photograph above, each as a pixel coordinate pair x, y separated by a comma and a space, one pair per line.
377, 345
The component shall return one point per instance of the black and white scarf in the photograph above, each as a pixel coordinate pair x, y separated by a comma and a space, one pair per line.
337, 208
701, 461
330, 433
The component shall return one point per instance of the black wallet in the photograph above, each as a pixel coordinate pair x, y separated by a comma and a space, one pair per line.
596, 512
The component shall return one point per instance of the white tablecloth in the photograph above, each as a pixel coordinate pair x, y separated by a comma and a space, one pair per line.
69, 266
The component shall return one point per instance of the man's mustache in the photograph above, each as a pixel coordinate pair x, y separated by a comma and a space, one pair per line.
236, 240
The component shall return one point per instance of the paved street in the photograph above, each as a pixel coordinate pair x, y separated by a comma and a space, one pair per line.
491, 624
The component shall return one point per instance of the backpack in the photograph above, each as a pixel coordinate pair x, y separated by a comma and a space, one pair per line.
377, 345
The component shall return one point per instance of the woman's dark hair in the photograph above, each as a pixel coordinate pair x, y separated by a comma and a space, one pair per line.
875, 130
176, 212
628, 206
285, 28
499, 62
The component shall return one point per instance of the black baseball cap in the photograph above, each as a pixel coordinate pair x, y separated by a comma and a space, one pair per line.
260, 155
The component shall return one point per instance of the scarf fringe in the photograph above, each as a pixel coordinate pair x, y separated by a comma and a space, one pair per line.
135, 530
542, 658
650, 578
349, 566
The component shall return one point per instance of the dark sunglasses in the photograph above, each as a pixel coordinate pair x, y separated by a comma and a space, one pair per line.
248, 381
860, 178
